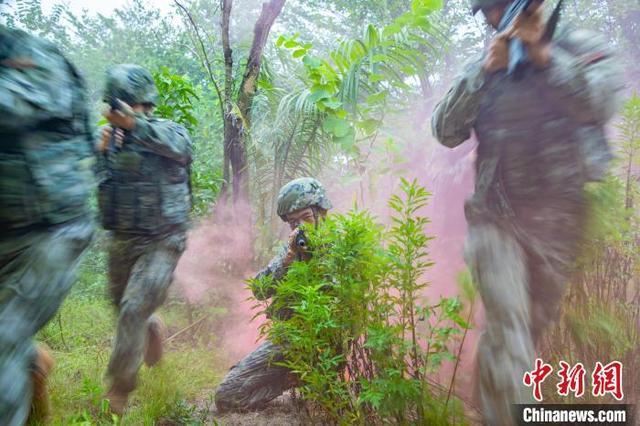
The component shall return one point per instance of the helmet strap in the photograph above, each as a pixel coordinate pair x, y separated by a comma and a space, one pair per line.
314, 209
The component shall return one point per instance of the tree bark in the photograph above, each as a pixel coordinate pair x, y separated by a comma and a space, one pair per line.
225, 6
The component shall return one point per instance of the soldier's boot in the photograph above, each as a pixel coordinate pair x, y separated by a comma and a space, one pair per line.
41, 404
118, 399
156, 334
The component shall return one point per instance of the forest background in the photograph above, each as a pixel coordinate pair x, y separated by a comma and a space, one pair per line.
342, 91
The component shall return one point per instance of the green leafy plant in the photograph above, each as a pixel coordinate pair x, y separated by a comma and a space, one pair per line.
328, 108
179, 100
354, 325
629, 129
177, 95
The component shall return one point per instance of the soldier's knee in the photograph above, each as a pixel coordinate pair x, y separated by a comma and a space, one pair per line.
141, 304
132, 312
228, 397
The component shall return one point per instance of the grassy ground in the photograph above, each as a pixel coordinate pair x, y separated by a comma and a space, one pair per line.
81, 337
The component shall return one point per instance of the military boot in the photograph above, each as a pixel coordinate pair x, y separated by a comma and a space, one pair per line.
118, 399
40, 404
156, 334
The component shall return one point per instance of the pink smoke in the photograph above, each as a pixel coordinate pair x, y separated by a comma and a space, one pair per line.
216, 264
219, 252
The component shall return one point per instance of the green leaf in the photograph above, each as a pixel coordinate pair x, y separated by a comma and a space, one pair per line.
311, 61
299, 53
347, 141
318, 95
332, 104
377, 98
428, 5
336, 126
369, 126
376, 78
391, 30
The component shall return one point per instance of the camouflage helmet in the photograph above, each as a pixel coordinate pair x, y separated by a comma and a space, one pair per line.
300, 194
476, 5
131, 84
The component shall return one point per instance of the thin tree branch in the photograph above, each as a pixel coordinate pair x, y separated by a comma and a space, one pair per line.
205, 60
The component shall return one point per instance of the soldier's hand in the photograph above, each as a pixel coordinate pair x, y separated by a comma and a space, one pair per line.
105, 138
498, 56
530, 28
293, 250
123, 118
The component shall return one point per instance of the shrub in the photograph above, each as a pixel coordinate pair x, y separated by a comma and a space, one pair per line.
357, 333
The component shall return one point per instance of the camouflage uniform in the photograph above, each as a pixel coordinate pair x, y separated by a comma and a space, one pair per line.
144, 200
254, 381
541, 139
45, 179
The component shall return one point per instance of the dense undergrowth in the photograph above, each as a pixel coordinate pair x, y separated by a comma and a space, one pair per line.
355, 327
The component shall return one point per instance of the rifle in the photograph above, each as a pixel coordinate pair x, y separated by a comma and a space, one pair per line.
301, 240
517, 52
113, 146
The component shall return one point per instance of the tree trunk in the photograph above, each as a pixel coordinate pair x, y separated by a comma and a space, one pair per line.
237, 116
225, 6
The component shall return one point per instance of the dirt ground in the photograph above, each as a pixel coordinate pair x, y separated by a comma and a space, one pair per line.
282, 411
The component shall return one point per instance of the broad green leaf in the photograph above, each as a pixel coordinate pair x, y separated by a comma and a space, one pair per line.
319, 94
332, 104
299, 53
336, 126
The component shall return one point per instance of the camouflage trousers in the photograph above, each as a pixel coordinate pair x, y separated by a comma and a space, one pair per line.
37, 269
521, 273
140, 273
255, 380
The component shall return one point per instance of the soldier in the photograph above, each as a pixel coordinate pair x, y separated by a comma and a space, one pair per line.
541, 138
46, 161
144, 200
255, 380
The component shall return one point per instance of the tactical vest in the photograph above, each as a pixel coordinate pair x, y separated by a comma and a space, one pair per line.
46, 171
530, 149
144, 192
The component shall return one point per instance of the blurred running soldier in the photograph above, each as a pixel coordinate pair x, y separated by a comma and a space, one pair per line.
255, 380
144, 199
46, 160
541, 138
